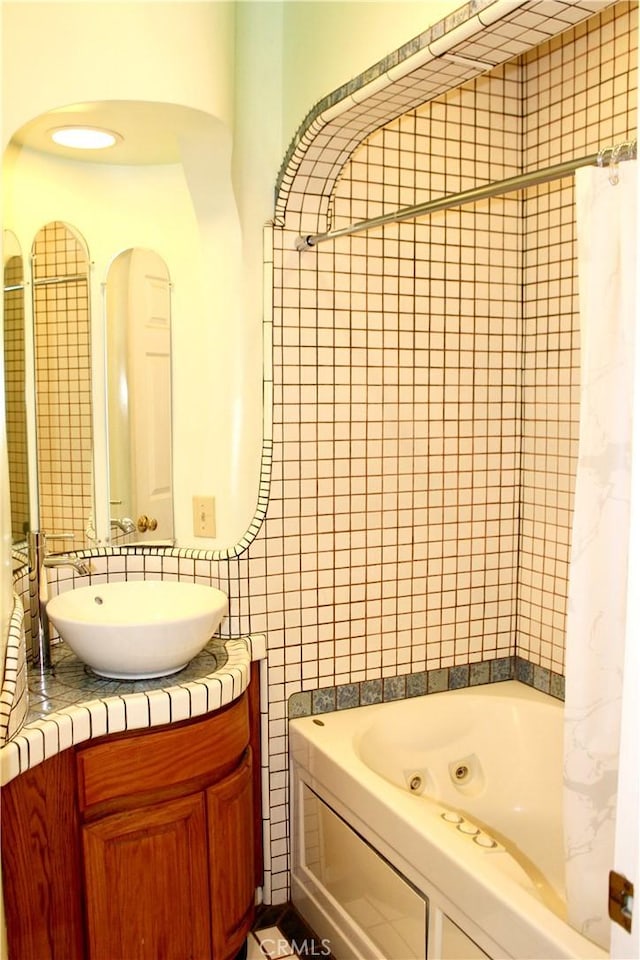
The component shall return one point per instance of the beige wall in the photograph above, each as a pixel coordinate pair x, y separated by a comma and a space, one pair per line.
56, 54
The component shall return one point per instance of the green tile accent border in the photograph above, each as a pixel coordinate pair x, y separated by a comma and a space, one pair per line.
348, 695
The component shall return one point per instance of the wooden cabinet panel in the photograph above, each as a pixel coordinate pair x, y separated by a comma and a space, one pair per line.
41, 863
140, 846
147, 888
231, 868
125, 765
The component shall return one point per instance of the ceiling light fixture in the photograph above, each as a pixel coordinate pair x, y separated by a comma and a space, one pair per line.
84, 138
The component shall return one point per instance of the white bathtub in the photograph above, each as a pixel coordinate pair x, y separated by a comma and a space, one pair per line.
458, 799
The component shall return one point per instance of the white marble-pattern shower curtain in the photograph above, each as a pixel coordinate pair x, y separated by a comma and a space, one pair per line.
598, 571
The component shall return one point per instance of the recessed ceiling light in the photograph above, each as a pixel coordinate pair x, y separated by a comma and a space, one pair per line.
84, 138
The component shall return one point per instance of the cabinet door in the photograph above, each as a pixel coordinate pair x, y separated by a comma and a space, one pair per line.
231, 856
147, 883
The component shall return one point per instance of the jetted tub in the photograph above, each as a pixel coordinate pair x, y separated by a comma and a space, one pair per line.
432, 827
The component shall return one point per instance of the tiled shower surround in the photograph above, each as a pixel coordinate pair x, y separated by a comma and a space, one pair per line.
425, 388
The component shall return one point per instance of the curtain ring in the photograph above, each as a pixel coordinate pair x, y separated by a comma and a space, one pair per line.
630, 148
614, 176
601, 156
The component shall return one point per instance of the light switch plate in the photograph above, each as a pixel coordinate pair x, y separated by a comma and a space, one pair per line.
204, 516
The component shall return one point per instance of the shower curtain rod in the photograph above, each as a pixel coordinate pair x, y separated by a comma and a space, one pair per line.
608, 157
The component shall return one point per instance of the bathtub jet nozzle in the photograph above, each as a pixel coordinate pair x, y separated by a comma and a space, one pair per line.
467, 776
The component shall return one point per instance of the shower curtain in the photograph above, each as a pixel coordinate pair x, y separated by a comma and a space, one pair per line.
605, 214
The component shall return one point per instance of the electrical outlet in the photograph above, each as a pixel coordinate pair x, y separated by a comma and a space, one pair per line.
204, 517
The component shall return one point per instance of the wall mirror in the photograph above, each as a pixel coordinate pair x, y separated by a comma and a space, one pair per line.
138, 342
15, 387
164, 187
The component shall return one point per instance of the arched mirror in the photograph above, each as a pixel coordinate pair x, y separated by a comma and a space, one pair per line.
14, 378
138, 343
62, 363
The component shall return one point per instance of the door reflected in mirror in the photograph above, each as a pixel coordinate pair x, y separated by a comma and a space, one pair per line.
15, 394
138, 324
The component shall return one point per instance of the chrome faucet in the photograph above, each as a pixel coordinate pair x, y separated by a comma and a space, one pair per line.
125, 524
38, 560
62, 560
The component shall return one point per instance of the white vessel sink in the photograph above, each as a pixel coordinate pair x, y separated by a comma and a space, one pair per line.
135, 629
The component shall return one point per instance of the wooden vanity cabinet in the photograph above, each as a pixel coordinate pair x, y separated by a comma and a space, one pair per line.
137, 846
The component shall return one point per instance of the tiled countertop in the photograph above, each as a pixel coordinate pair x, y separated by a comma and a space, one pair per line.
70, 704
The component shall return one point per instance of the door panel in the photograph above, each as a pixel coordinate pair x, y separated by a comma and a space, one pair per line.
150, 386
